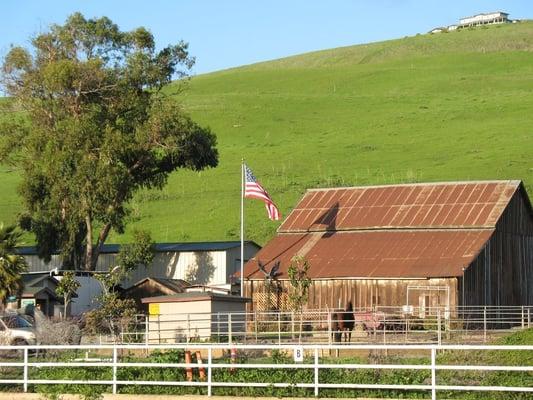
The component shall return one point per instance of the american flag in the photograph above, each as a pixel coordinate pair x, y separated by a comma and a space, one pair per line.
254, 190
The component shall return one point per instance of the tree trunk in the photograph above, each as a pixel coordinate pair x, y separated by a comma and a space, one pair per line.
89, 245
97, 249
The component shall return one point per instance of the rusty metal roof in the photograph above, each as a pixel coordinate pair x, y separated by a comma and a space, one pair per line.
374, 254
425, 230
428, 205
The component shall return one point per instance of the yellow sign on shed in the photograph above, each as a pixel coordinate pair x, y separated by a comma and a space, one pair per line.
153, 308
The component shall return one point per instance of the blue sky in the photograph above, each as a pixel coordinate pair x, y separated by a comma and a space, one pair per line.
229, 33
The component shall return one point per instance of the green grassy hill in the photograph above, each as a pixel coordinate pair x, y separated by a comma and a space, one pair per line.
455, 106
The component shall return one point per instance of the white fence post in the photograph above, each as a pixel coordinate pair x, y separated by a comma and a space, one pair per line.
316, 371
255, 325
522, 318
25, 370
433, 375
292, 325
384, 335
528, 318
218, 327
439, 333
209, 371
279, 327
230, 329
188, 327
146, 333
245, 327
485, 324
158, 328
115, 369
329, 328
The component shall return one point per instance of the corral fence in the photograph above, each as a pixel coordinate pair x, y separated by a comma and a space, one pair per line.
378, 325
431, 372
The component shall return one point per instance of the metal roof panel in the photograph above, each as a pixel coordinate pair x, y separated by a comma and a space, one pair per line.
432, 205
375, 254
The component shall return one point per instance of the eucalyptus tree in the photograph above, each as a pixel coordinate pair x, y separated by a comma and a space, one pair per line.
94, 127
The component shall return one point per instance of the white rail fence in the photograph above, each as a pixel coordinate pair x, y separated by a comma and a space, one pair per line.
383, 325
216, 359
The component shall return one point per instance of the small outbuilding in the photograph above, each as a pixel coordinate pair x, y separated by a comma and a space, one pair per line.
39, 292
152, 287
196, 314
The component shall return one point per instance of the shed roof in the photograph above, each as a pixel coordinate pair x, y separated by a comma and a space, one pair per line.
374, 254
176, 285
34, 291
159, 247
428, 230
194, 296
39, 278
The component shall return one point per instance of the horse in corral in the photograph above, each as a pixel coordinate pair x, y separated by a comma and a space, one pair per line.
342, 324
349, 322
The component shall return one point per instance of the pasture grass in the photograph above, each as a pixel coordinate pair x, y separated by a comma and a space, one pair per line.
445, 107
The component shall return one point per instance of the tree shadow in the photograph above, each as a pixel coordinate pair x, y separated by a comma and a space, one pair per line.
202, 270
329, 219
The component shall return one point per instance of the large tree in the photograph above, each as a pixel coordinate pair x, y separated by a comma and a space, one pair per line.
94, 127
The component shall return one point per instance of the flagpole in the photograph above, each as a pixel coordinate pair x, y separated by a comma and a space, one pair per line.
242, 227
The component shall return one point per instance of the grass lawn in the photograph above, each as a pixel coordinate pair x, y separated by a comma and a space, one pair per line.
444, 107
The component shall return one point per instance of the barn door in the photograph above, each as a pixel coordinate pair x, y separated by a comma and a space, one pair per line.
429, 299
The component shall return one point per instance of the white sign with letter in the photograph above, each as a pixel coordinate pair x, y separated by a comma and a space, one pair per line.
299, 354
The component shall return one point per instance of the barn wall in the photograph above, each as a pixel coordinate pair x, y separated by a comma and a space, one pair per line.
363, 293
502, 273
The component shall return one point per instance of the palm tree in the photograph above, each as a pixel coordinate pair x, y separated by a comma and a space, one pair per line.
11, 264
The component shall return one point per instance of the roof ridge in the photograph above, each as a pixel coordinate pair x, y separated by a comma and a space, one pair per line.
393, 229
515, 182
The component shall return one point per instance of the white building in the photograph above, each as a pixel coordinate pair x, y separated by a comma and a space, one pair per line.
202, 263
497, 17
440, 29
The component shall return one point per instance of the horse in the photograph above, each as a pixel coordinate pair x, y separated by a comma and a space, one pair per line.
349, 322
342, 324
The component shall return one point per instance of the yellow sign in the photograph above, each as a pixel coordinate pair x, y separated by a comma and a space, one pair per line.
153, 308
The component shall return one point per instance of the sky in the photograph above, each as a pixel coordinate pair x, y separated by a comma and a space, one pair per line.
228, 33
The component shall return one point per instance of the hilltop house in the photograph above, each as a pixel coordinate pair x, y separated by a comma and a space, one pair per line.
420, 245
497, 17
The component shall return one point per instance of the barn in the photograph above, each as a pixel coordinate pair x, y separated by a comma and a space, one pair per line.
422, 245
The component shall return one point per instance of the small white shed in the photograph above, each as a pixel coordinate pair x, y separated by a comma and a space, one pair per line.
196, 316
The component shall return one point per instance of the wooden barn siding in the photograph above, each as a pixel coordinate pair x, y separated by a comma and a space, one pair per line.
502, 274
335, 293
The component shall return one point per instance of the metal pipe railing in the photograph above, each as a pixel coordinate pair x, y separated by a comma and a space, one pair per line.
315, 362
319, 325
